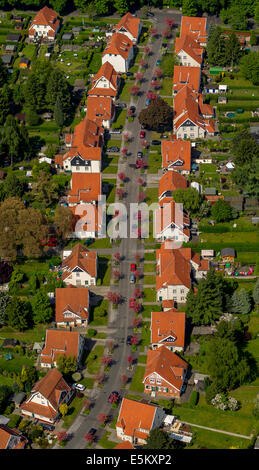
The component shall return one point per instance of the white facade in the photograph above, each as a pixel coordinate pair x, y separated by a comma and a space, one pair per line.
157, 421
118, 62
87, 166
54, 363
185, 59
189, 132
81, 278
172, 233
42, 31
176, 293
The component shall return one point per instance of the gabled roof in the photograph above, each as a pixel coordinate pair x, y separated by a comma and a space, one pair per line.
100, 108
90, 218
6, 433
169, 213
102, 91
135, 415
118, 44
190, 46
168, 365
130, 23
124, 445
50, 387
166, 324
71, 299
85, 187
194, 26
107, 71
173, 269
186, 76
81, 257
170, 181
176, 151
59, 343
186, 107
47, 17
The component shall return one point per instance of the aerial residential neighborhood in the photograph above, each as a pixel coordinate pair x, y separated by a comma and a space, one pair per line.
129, 218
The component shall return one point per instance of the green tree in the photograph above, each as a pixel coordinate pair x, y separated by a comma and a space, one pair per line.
241, 302
249, 67
28, 375
190, 198
157, 116
122, 6
58, 113
189, 8
13, 186
253, 38
158, 439
63, 409
66, 364
233, 50
58, 87
5, 100
216, 48
226, 365
18, 314
41, 309
58, 5
4, 299
221, 211
3, 73
232, 330
44, 190
11, 138
256, 292
237, 17
206, 305
63, 220
102, 7
32, 117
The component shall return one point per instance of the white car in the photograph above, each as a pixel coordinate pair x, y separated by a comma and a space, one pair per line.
80, 387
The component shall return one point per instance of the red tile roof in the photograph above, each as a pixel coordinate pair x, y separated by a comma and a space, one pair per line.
107, 71
171, 181
194, 26
173, 268
190, 46
100, 108
50, 387
187, 107
118, 44
124, 445
100, 92
130, 23
90, 218
47, 17
72, 299
186, 76
81, 257
176, 151
85, 187
135, 415
166, 324
6, 433
59, 343
168, 365
169, 213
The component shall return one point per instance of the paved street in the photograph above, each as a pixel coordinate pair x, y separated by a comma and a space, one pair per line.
120, 320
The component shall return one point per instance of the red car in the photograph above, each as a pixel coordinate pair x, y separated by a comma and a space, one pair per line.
142, 134
131, 302
133, 267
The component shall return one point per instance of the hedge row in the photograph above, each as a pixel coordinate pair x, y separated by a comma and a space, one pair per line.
234, 106
238, 120
222, 228
244, 247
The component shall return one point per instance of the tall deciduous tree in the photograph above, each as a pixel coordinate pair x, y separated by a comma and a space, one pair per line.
58, 112
241, 302
4, 299
157, 116
41, 309
221, 211
18, 314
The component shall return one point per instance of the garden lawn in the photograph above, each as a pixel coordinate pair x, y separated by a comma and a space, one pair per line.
136, 383
105, 443
167, 87
214, 440
151, 195
93, 360
149, 257
148, 309
73, 410
37, 334
149, 279
149, 268
149, 295
120, 118
125, 92
15, 364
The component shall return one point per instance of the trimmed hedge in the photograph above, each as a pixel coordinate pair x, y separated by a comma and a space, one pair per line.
194, 398
233, 106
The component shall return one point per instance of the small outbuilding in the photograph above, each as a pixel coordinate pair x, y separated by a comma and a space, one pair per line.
13, 37
24, 63
7, 59
228, 255
10, 343
67, 37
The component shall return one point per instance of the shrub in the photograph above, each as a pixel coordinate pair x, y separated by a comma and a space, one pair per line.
91, 332
194, 398
14, 421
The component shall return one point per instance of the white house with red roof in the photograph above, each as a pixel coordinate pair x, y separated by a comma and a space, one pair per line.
101, 109
136, 420
61, 343
188, 52
165, 373
119, 52
105, 82
11, 439
46, 397
45, 25
176, 155
71, 306
196, 27
168, 329
130, 26
79, 268
171, 222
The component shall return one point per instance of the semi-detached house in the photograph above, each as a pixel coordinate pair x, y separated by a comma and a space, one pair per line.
45, 25
196, 27
176, 155
130, 26
79, 268
171, 222
105, 82
168, 329
61, 343
71, 306
119, 52
188, 52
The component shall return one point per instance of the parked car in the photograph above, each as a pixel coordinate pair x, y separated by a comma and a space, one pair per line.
129, 74
115, 131
133, 267
47, 426
158, 62
128, 340
132, 108
121, 105
92, 431
147, 102
156, 142
80, 387
113, 149
132, 278
139, 164
150, 14
140, 154
142, 134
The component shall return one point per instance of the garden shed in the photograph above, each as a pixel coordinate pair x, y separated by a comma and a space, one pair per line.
18, 398
10, 343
